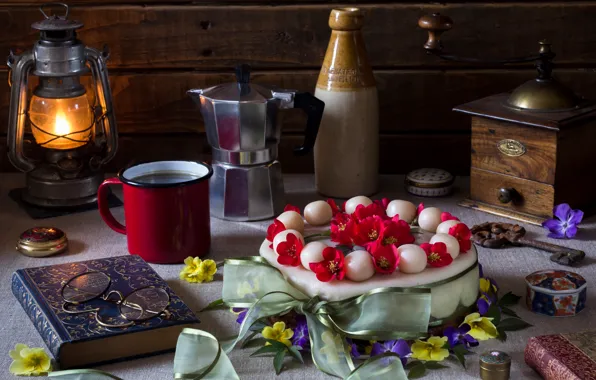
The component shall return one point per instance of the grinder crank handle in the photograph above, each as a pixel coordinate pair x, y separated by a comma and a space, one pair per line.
562, 255
314, 108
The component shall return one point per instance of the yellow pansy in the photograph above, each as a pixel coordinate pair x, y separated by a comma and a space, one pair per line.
481, 328
208, 269
279, 333
486, 286
430, 350
29, 361
368, 349
197, 270
332, 346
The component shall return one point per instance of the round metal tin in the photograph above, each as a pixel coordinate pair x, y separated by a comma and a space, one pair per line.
495, 365
429, 182
556, 293
42, 242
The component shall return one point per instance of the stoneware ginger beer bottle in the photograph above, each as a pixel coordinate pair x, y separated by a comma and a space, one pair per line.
347, 146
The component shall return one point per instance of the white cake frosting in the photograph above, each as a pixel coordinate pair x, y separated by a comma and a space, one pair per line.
445, 298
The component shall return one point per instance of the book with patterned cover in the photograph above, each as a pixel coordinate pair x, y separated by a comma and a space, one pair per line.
78, 340
563, 356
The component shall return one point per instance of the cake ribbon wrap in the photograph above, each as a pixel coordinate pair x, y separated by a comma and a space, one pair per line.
380, 314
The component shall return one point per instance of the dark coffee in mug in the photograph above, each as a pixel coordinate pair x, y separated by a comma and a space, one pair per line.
166, 177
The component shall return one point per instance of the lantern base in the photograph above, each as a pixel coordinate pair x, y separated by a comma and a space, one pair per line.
56, 193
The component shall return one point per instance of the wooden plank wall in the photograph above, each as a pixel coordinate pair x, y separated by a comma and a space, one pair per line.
161, 48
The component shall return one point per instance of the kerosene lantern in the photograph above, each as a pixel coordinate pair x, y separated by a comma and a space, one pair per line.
531, 148
72, 125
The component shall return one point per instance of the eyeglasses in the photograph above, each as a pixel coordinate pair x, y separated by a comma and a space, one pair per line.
138, 306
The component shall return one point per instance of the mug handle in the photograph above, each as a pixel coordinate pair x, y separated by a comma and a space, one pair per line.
104, 207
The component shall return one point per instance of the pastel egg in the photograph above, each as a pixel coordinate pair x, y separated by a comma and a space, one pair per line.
406, 210
451, 243
312, 253
359, 266
412, 258
292, 220
444, 227
318, 213
282, 236
352, 203
429, 219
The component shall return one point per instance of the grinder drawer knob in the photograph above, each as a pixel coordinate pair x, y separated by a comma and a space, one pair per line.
508, 194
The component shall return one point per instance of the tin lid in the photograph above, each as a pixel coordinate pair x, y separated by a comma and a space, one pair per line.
559, 281
42, 242
495, 361
429, 178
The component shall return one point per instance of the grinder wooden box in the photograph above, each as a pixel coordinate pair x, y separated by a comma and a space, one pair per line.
525, 162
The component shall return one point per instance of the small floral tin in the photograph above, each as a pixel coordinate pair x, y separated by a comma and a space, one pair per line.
429, 182
556, 293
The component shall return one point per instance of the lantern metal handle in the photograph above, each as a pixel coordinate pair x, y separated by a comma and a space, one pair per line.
107, 120
47, 5
18, 111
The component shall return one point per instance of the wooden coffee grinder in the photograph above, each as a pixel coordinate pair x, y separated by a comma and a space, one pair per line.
531, 148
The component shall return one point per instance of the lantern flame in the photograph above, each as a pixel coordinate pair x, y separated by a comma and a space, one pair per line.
61, 126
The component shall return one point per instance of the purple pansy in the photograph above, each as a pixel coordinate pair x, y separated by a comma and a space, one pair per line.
353, 348
565, 224
301, 338
241, 312
460, 335
399, 347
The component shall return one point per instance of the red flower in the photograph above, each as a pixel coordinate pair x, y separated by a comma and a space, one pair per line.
419, 208
463, 235
395, 232
445, 216
436, 254
334, 209
385, 258
342, 229
332, 266
290, 207
382, 202
373, 209
367, 231
273, 229
289, 251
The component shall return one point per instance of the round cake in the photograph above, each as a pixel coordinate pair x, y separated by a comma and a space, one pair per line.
342, 253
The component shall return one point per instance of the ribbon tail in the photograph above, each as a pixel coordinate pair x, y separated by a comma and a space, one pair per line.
83, 374
329, 350
200, 356
387, 366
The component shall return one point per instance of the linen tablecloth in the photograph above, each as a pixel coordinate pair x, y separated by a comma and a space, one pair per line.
90, 238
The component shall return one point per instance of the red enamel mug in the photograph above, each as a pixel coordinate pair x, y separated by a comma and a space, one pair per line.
166, 209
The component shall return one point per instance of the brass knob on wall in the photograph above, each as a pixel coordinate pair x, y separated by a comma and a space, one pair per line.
435, 24
508, 194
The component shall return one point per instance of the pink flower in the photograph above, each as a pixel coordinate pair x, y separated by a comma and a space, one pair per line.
367, 231
332, 267
463, 235
290, 207
342, 229
382, 202
436, 254
385, 258
334, 209
419, 208
273, 229
289, 251
445, 216
373, 209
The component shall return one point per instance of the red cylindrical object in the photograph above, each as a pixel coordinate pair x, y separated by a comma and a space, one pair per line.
165, 222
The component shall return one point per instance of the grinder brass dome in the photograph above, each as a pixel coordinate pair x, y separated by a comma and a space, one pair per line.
543, 94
